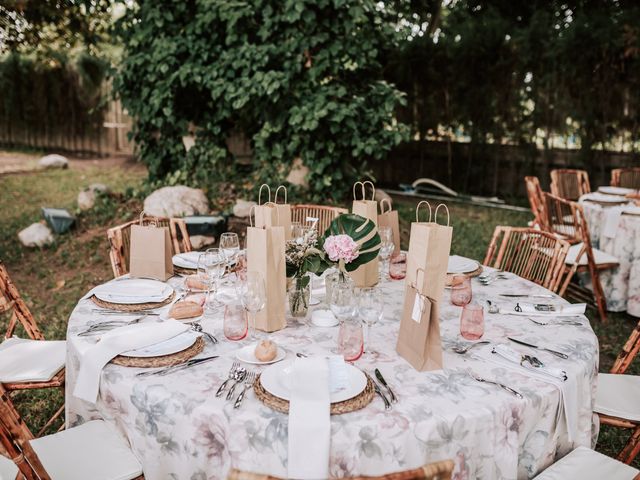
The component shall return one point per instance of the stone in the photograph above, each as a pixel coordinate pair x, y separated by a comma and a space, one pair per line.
53, 161
36, 235
87, 197
178, 201
298, 173
188, 141
380, 195
242, 208
198, 242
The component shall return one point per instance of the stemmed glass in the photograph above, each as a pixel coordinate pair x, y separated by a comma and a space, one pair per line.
230, 246
253, 296
211, 265
386, 249
370, 310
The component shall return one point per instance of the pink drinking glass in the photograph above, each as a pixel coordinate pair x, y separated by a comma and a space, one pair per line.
235, 322
350, 339
398, 266
241, 266
472, 321
460, 290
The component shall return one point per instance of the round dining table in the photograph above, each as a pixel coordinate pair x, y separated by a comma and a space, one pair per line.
179, 429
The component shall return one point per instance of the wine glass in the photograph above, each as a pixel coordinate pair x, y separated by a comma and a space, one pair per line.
398, 266
230, 246
342, 303
370, 310
386, 249
253, 296
211, 265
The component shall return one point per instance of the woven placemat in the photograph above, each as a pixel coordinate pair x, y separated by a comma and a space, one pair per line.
164, 361
450, 276
351, 405
132, 307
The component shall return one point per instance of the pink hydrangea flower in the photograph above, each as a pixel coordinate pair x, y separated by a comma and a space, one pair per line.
341, 247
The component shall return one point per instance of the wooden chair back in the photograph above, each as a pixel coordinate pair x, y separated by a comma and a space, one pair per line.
536, 200
629, 352
10, 299
626, 177
434, 471
120, 241
569, 184
324, 214
529, 253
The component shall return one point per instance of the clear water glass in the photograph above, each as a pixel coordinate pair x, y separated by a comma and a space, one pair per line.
342, 302
230, 246
386, 249
370, 311
253, 295
215, 265
350, 341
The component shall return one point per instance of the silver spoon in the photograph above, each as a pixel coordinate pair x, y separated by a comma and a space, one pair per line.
561, 322
501, 385
466, 348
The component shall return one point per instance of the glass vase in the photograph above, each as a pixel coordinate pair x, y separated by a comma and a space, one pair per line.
299, 298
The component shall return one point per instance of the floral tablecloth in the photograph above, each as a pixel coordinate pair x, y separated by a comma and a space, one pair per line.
180, 430
621, 285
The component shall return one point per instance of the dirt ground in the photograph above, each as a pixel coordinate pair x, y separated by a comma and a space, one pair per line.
20, 162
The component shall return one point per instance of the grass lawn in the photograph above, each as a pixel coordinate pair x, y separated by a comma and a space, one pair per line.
54, 278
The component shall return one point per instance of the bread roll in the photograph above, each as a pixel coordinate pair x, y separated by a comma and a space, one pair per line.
266, 350
194, 282
186, 309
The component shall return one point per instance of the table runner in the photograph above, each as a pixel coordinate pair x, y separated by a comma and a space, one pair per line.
179, 429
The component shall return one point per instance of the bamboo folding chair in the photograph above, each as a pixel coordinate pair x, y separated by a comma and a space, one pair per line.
434, 471
566, 219
309, 213
120, 240
618, 397
536, 200
569, 184
626, 177
91, 451
10, 299
529, 253
584, 464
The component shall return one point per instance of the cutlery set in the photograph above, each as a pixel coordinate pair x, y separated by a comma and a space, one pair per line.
377, 385
490, 277
238, 376
176, 368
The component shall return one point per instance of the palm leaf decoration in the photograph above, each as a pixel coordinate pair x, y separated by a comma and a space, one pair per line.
362, 230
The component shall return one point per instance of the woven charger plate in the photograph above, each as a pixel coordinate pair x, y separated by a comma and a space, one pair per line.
475, 273
163, 361
351, 405
132, 307
184, 271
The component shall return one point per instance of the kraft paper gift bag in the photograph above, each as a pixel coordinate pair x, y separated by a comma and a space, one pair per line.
150, 251
427, 260
366, 275
274, 214
389, 218
283, 216
265, 255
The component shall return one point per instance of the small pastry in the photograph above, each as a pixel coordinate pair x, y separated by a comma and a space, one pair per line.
195, 282
185, 309
266, 350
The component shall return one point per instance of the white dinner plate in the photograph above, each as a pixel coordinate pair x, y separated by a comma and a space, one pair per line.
274, 381
598, 197
246, 355
186, 260
173, 345
458, 264
132, 291
620, 191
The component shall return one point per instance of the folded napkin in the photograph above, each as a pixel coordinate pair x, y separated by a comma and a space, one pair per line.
323, 318
611, 221
114, 343
529, 310
189, 258
309, 419
566, 384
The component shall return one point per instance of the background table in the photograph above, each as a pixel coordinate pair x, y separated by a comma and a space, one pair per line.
180, 430
621, 285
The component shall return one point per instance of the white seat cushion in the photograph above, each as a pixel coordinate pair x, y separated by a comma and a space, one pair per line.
586, 464
600, 257
8, 469
92, 450
618, 396
26, 360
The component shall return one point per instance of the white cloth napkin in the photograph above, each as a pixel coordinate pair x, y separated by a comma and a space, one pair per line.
309, 419
114, 343
568, 388
611, 221
189, 258
529, 310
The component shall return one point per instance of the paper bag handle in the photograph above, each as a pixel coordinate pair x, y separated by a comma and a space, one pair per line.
418, 210
272, 204
253, 209
382, 202
153, 220
362, 189
260, 193
275, 199
447, 209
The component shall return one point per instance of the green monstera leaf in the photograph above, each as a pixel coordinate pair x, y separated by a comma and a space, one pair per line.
362, 230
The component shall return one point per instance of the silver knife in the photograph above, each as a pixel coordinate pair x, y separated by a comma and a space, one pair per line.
175, 368
383, 382
378, 390
517, 295
554, 352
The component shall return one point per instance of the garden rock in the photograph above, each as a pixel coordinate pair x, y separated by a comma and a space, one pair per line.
36, 235
179, 201
53, 161
87, 197
298, 174
198, 242
242, 208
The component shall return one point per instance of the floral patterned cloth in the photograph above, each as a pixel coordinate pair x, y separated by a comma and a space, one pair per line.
621, 285
180, 430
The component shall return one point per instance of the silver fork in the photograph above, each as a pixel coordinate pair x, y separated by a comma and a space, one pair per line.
239, 376
559, 322
232, 371
466, 348
108, 325
248, 382
501, 385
